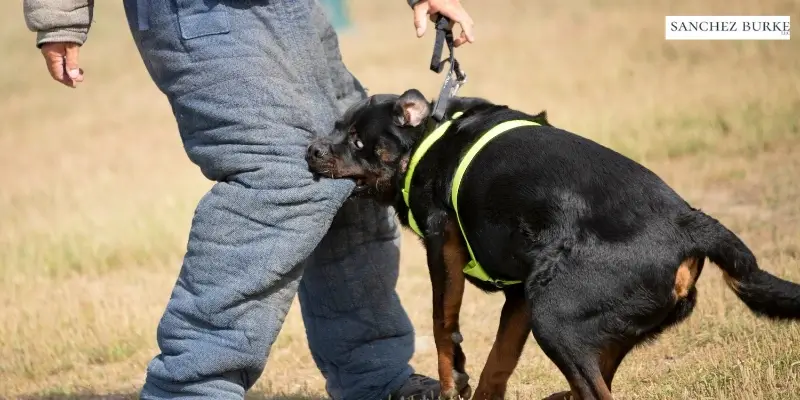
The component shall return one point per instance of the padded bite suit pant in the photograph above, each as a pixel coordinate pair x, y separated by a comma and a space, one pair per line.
250, 83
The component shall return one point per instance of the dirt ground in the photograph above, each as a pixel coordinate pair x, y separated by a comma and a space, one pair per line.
96, 193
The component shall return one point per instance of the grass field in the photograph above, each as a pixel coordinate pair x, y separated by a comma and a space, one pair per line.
96, 194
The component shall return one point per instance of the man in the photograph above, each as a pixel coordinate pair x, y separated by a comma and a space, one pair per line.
250, 83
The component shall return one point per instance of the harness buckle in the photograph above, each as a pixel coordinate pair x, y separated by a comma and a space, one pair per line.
455, 77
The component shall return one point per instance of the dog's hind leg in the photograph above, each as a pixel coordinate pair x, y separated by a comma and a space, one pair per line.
678, 306
567, 316
570, 346
512, 334
587, 318
685, 298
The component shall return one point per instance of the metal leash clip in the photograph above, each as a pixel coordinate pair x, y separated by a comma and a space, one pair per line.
455, 76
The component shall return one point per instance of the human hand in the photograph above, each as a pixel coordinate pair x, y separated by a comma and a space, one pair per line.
452, 9
62, 62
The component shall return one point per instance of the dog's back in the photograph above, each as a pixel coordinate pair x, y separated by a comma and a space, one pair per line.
545, 187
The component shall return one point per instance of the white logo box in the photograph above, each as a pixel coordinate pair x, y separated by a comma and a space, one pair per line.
719, 27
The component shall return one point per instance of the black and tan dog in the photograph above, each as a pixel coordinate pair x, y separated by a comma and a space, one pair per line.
594, 252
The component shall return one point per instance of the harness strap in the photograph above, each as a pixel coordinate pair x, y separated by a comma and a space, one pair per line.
473, 268
423, 148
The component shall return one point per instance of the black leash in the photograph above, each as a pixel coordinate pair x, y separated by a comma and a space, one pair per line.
445, 35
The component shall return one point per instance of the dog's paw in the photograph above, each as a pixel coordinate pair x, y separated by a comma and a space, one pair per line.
466, 392
461, 379
449, 394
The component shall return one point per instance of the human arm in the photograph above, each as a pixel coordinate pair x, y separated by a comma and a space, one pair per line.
61, 28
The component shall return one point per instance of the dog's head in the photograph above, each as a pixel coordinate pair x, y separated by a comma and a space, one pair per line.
371, 143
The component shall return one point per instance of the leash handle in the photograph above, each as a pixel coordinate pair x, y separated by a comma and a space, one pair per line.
444, 34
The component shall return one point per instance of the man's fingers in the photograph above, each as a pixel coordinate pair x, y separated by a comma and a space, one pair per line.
80, 76
55, 62
460, 40
467, 30
421, 17
452, 10
73, 70
458, 15
55, 56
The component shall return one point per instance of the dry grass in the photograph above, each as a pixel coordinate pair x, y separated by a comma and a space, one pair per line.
97, 195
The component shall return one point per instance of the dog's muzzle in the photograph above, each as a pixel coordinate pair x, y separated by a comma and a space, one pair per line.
317, 151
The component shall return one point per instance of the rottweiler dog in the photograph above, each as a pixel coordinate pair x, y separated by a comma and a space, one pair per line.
605, 252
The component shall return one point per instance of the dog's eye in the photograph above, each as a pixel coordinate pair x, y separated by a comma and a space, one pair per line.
358, 143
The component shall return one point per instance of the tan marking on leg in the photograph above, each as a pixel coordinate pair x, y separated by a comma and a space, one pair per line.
610, 359
685, 277
455, 257
602, 390
512, 333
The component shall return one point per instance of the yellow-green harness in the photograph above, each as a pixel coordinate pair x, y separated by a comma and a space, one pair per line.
473, 268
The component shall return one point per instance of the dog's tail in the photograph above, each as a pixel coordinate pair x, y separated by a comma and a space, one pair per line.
762, 292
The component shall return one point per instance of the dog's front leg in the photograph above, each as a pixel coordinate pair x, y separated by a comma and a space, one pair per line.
446, 259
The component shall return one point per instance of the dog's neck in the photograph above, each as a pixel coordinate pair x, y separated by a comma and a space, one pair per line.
403, 163
425, 129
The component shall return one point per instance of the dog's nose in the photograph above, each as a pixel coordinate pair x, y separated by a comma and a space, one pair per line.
317, 150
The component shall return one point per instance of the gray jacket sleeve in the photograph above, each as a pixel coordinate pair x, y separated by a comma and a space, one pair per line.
412, 3
58, 21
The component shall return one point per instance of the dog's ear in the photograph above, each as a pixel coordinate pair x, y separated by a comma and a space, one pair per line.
411, 108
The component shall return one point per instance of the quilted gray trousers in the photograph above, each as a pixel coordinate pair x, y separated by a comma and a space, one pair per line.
250, 83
